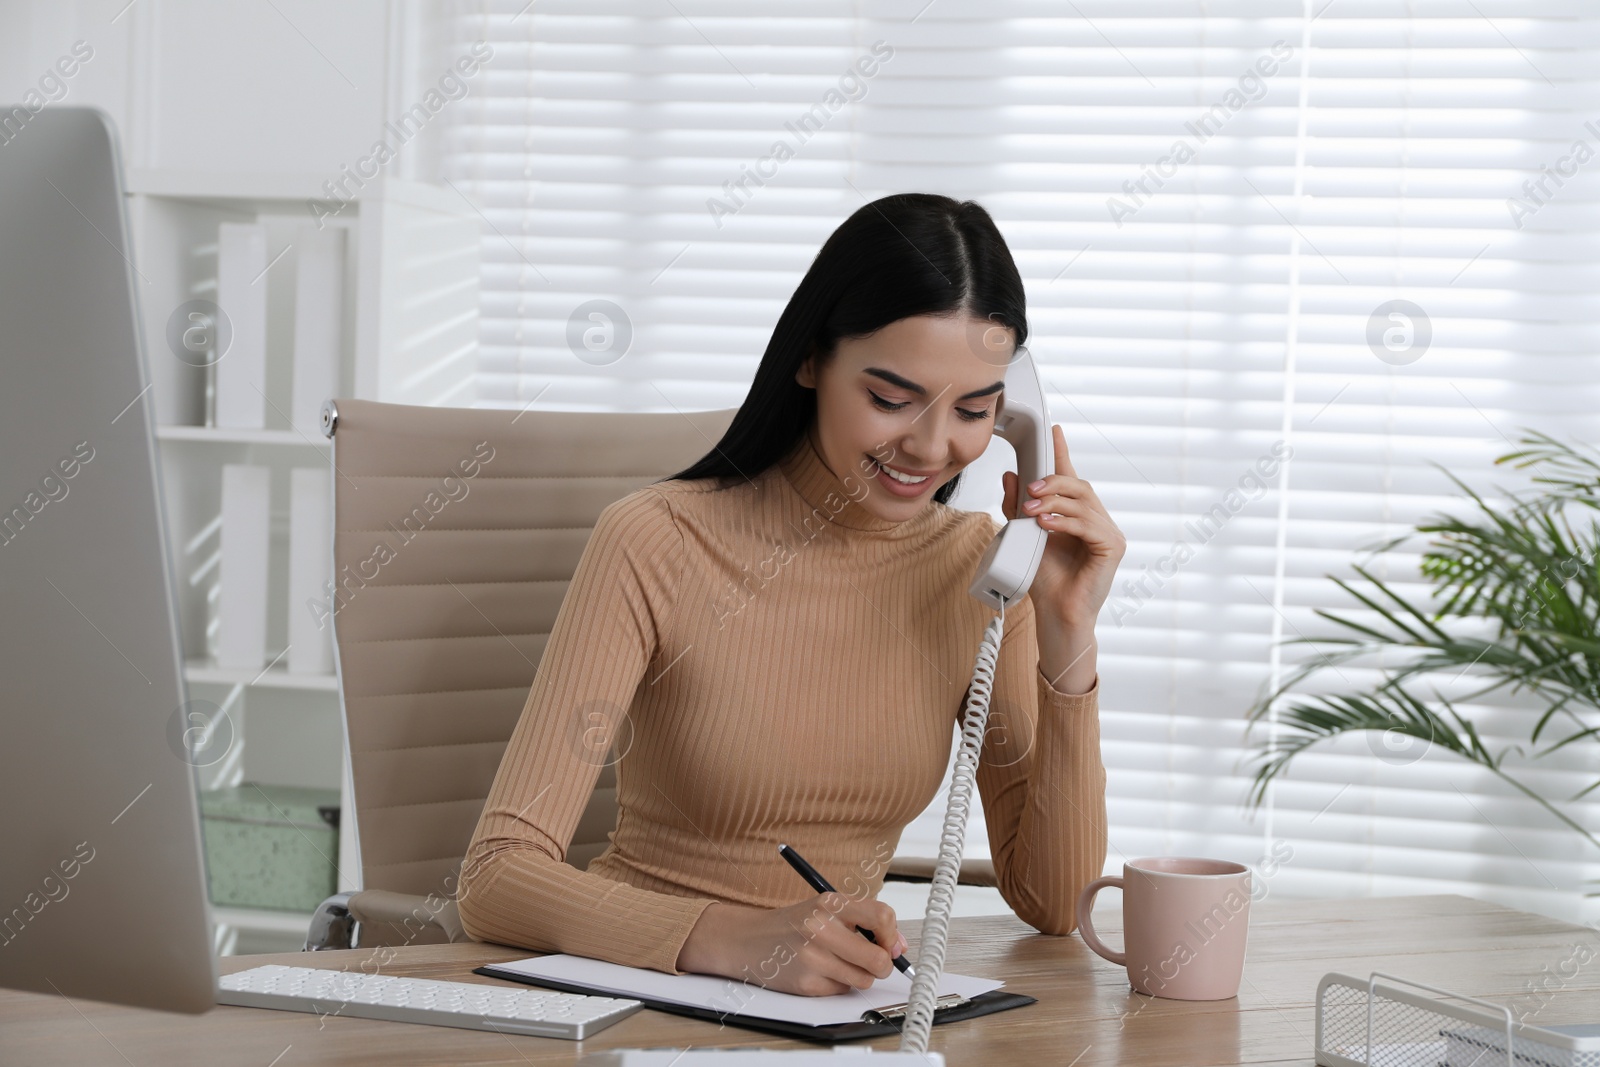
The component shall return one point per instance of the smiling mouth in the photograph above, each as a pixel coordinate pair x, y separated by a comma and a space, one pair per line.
900, 476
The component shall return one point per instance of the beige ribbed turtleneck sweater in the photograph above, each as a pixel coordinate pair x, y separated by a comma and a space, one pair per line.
791, 668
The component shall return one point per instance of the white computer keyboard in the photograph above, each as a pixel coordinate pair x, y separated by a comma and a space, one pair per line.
503, 1009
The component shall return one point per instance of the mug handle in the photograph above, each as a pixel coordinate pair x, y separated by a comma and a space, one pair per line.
1086, 928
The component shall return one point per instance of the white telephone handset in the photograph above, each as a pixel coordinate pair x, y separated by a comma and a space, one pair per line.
1007, 568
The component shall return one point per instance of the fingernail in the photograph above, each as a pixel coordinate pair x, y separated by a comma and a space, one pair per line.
1031, 505
1036, 486
900, 945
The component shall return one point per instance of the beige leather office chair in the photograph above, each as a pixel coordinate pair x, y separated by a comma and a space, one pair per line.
456, 533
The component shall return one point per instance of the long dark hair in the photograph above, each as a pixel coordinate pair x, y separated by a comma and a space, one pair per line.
903, 255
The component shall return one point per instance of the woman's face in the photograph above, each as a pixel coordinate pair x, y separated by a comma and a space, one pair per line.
918, 396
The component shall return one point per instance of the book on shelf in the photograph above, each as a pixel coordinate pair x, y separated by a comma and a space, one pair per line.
242, 571
310, 555
318, 321
241, 371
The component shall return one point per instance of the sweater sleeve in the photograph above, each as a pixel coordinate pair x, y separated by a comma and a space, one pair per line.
515, 886
1043, 784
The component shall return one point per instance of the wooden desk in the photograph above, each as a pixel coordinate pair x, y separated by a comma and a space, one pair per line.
1086, 1014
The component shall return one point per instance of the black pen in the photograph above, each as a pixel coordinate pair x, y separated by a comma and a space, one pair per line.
820, 884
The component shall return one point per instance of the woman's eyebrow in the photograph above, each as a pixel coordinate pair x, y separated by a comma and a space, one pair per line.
906, 383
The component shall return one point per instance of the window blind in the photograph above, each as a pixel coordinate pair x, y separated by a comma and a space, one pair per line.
1216, 209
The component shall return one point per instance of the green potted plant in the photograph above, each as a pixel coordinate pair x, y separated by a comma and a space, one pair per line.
1515, 606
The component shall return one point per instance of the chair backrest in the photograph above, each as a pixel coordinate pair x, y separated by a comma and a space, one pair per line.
456, 533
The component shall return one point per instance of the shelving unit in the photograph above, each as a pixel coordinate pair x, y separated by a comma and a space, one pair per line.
213, 435
409, 336
205, 672
226, 189
245, 931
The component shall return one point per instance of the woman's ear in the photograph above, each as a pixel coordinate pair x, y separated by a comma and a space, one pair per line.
806, 373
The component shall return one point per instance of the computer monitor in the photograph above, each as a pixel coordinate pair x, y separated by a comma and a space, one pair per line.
102, 881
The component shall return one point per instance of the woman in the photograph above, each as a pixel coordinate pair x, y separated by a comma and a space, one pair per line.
779, 638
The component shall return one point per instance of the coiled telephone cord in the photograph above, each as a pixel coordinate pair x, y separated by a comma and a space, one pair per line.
941, 894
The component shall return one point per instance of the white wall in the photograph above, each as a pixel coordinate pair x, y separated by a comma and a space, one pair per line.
34, 34
288, 89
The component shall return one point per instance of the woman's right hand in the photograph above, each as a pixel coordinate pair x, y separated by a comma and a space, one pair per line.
810, 948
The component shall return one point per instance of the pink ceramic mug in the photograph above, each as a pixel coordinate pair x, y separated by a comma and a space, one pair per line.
1183, 925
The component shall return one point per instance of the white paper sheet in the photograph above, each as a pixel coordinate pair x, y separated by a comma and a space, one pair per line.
735, 998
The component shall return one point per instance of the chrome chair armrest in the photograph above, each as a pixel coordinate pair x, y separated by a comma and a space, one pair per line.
333, 925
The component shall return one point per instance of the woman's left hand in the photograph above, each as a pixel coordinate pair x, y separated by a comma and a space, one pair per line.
1083, 550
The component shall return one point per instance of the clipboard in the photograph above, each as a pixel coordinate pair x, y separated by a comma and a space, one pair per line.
873, 1023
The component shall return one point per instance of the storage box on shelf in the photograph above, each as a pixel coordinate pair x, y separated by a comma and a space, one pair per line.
271, 846
383, 287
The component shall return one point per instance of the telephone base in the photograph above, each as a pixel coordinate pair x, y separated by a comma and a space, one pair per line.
759, 1057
